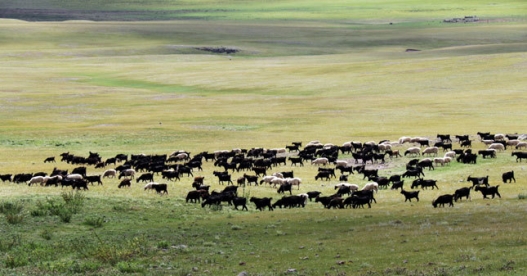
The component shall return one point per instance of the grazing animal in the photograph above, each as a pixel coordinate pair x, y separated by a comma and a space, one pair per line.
79, 183
365, 193
37, 180
320, 161
50, 160
519, 155
357, 201
240, 201
426, 163
466, 144
478, 180
497, 146
413, 172
521, 145
413, 151
74, 176
336, 202
323, 175
508, 176
371, 186
149, 186
442, 200
284, 188
430, 151
313, 194
424, 183
296, 160
223, 177
127, 173
462, 192
125, 183
109, 173
490, 153
485, 191
295, 181
409, 195
261, 203
160, 188
397, 185
194, 196
6, 177
94, 178
146, 177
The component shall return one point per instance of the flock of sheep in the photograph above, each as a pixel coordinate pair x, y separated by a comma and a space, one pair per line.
326, 158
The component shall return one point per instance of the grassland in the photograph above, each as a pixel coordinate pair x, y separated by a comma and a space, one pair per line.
134, 80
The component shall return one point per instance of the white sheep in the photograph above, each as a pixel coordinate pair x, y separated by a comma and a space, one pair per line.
277, 181
499, 137
497, 146
313, 143
451, 154
521, 145
371, 186
430, 150
219, 152
439, 160
75, 176
320, 161
385, 147
487, 142
267, 179
405, 139
280, 150
127, 173
513, 142
111, 173
341, 163
37, 180
150, 186
413, 151
353, 187
328, 145
294, 181
277, 174
370, 143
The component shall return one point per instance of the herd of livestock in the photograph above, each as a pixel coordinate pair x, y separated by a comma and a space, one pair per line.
255, 167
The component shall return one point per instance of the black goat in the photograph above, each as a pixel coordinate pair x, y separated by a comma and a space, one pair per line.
485, 191
478, 180
462, 192
261, 203
442, 200
508, 176
409, 195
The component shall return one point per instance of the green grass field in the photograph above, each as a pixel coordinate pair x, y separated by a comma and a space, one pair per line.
103, 76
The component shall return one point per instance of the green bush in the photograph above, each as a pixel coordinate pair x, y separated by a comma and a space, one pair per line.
39, 213
15, 261
12, 212
46, 234
74, 200
11, 207
65, 215
126, 267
